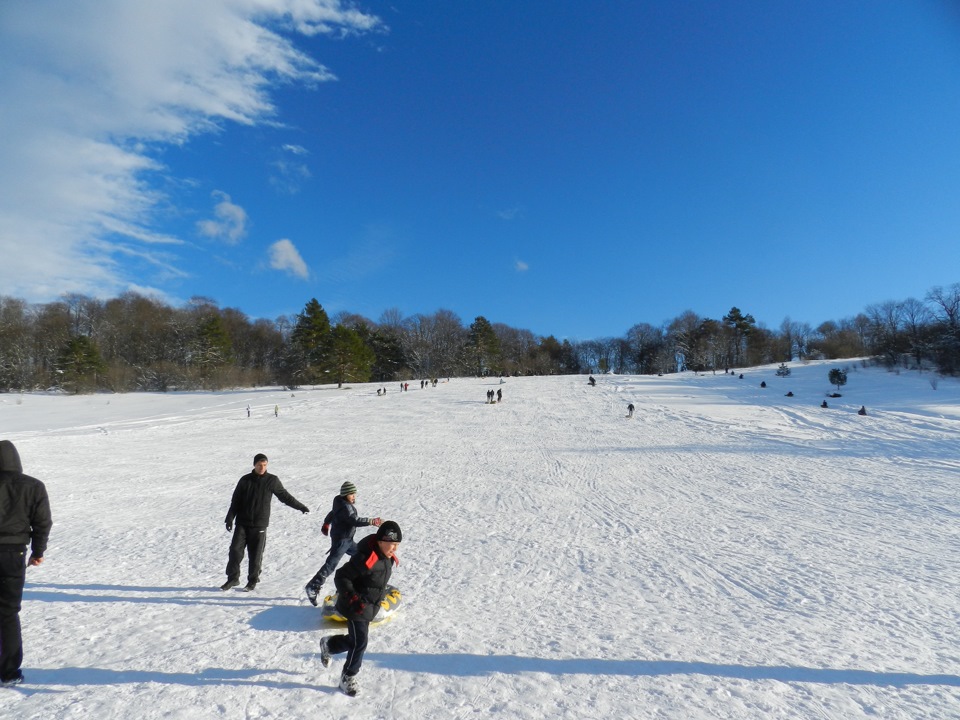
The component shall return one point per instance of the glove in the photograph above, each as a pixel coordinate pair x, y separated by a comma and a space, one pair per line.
229, 526
356, 603
325, 529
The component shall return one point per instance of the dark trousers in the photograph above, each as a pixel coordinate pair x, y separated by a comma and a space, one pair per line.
345, 546
13, 571
249, 539
354, 643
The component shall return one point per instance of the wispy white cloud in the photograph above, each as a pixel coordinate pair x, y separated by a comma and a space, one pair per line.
91, 90
521, 266
509, 214
230, 225
287, 175
284, 256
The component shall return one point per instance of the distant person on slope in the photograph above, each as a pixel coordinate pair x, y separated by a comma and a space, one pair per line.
361, 587
250, 508
24, 520
341, 524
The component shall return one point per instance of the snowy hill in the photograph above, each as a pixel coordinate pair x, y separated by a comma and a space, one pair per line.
729, 552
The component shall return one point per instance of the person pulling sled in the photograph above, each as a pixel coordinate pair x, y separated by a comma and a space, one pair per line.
361, 587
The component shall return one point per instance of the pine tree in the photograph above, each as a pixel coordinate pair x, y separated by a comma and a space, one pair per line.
483, 345
79, 364
838, 377
389, 359
309, 345
741, 325
211, 350
349, 358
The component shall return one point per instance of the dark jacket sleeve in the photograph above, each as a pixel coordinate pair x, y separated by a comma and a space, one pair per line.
346, 516
347, 575
41, 520
286, 498
234, 504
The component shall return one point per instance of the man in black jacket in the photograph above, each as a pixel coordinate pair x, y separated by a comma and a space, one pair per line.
250, 508
361, 587
24, 520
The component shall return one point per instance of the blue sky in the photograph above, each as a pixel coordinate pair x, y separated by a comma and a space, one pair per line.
567, 167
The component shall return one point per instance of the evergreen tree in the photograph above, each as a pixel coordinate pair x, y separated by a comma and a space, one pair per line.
740, 326
309, 345
837, 377
387, 348
79, 364
349, 358
211, 350
483, 345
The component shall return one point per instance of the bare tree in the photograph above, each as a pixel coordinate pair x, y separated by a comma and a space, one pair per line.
391, 318
916, 325
796, 336
15, 344
517, 349
946, 342
886, 337
644, 342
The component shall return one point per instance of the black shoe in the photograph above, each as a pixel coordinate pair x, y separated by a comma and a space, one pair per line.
349, 685
10, 682
229, 584
251, 586
324, 652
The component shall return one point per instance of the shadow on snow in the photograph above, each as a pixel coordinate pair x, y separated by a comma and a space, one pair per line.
74, 676
472, 665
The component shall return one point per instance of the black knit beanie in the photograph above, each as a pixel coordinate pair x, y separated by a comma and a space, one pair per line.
389, 531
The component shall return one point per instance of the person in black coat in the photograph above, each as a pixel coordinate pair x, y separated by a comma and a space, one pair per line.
361, 587
250, 511
341, 525
25, 519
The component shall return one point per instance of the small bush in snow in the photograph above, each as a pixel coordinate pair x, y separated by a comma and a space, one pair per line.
838, 377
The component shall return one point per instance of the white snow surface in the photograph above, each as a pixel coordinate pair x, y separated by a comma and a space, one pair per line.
729, 552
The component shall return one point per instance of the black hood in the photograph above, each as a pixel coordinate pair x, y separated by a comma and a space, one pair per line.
9, 457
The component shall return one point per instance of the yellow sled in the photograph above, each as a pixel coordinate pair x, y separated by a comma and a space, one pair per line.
388, 606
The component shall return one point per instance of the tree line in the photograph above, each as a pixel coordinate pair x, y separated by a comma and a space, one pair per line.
138, 343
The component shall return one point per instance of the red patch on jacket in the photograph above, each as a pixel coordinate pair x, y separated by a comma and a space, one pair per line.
371, 561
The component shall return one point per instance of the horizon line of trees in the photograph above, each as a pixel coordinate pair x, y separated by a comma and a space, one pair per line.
137, 343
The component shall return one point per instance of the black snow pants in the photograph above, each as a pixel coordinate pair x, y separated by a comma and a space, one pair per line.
253, 540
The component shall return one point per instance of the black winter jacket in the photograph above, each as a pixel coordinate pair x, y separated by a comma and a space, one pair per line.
250, 505
343, 520
367, 574
24, 506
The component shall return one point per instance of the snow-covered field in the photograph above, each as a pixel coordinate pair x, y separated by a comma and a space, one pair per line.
729, 552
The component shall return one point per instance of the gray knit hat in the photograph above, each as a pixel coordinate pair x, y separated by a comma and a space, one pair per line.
348, 488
